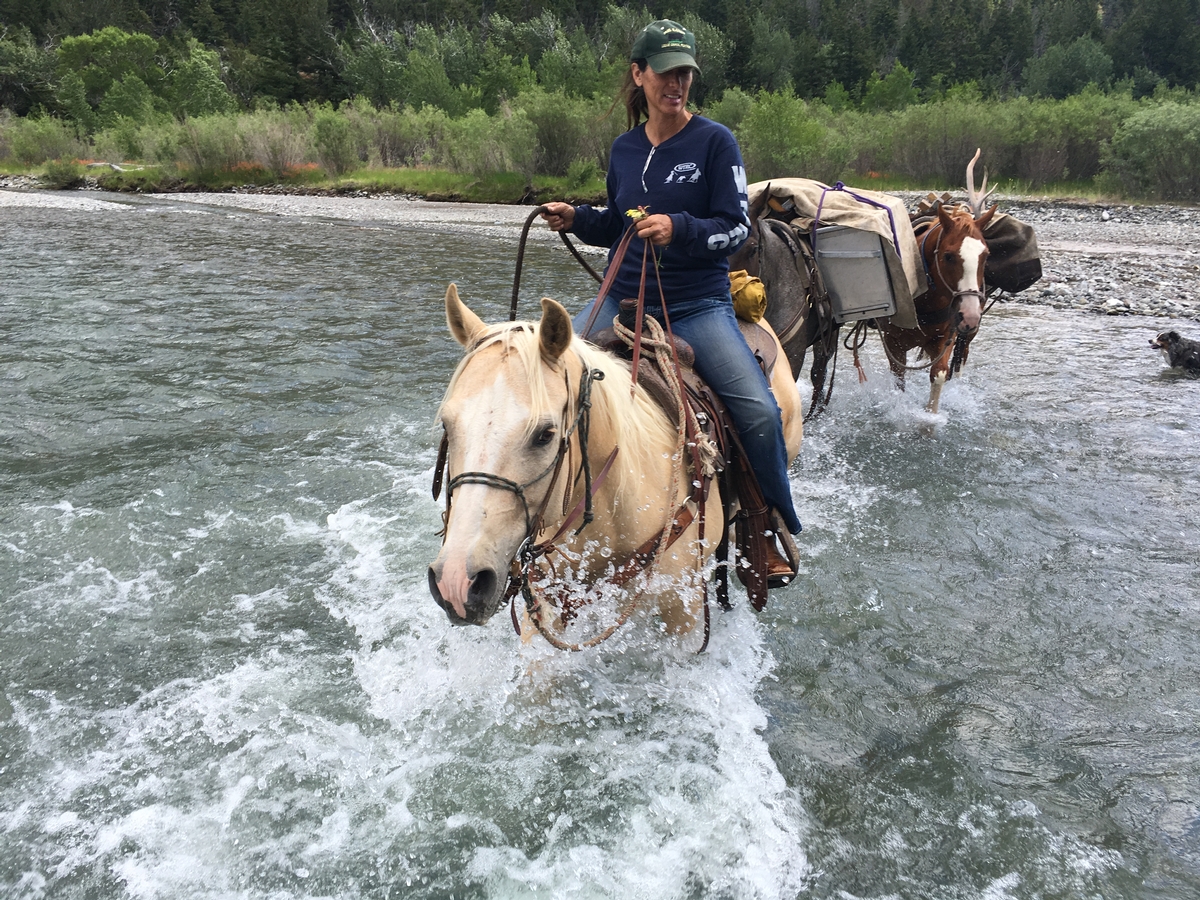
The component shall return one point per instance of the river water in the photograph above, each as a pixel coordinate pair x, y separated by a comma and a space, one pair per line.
221, 674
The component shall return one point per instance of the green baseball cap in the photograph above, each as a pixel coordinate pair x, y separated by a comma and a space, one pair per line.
665, 45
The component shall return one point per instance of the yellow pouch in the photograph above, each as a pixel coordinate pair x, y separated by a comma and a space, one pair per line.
749, 295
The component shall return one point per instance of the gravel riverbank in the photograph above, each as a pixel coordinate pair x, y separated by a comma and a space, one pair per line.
1114, 260
1105, 259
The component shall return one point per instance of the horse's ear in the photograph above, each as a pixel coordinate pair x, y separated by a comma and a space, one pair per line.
944, 217
554, 332
464, 324
987, 215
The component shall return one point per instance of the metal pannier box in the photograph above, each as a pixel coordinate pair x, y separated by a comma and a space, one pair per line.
855, 272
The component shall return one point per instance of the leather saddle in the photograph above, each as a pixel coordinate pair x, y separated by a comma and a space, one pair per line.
743, 502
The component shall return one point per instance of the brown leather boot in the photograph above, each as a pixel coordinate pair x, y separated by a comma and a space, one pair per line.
779, 570
781, 566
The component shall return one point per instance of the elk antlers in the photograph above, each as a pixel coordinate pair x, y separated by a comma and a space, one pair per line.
976, 199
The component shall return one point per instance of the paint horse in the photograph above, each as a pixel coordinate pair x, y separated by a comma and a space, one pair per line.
949, 312
541, 428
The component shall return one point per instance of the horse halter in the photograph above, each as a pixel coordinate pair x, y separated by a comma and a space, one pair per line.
533, 523
955, 296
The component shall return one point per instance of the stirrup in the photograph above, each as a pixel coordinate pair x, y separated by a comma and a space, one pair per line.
781, 568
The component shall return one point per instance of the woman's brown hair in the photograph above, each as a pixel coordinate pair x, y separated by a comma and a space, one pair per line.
634, 98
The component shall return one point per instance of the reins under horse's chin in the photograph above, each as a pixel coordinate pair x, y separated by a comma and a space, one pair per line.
646, 558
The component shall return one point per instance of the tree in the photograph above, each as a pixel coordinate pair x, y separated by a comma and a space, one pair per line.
893, 91
27, 73
1009, 41
194, 86
770, 63
1162, 37
847, 46
375, 70
110, 55
1062, 21
1065, 70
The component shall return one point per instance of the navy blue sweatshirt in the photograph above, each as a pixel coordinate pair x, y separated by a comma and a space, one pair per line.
697, 178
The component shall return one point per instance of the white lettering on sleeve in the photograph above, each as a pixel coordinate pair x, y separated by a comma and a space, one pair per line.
730, 239
740, 232
739, 182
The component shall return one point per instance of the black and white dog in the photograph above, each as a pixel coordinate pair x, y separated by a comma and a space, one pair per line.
1180, 352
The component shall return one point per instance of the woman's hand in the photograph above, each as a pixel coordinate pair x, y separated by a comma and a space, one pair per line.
560, 216
657, 229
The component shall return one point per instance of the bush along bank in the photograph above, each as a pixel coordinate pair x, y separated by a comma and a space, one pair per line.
547, 144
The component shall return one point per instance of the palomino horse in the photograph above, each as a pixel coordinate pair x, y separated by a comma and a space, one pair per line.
533, 417
948, 313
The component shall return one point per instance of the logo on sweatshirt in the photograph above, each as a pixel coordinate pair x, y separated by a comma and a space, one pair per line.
687, 172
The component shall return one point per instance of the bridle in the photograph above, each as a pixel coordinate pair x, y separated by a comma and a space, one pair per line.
936, 317
533, 522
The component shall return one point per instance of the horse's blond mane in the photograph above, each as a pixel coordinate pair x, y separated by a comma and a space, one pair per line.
634, 423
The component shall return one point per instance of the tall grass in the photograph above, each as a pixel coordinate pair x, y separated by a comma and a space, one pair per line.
31, 142
1139, 148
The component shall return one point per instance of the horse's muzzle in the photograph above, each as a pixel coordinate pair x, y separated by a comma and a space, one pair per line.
968, 312
483, 598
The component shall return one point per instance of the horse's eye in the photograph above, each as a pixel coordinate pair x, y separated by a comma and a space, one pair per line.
951, 257
544, 437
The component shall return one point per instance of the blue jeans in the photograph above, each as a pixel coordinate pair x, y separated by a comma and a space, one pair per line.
725, 361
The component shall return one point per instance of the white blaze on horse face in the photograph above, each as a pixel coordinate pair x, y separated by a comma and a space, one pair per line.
493, 424
973, 252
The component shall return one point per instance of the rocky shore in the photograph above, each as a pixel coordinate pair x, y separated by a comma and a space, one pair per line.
1112, 259
1098, 258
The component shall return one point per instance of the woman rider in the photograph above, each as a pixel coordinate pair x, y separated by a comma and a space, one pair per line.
686, 172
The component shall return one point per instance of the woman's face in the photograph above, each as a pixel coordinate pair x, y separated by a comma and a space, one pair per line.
666, 93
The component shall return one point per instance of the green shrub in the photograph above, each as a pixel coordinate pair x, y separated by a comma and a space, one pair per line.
127, 99
562, 127
1156, 152
33, 141
211, 144
1093, 117
582, 172
337, 140
893, 91
486, 145
1066, 69
62, 174
868, 135
933, 142
781, 137
409, 137
837, 98
195, 87
731, 109
1061, 140
279, 140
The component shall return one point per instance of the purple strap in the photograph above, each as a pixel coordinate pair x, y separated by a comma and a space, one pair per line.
861, 199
